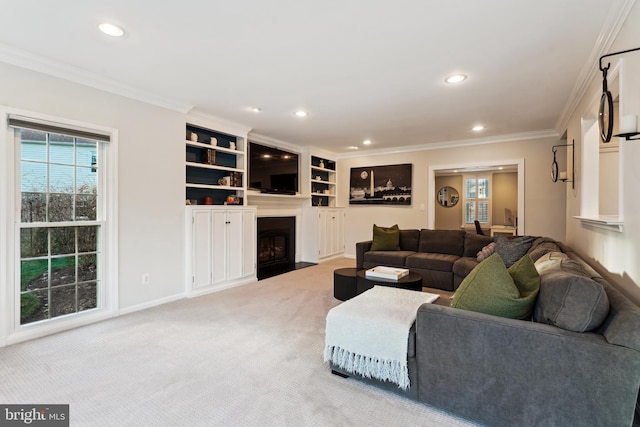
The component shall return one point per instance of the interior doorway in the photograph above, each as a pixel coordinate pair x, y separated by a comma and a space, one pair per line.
452, 175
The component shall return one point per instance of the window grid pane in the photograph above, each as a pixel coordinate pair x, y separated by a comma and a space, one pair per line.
59, 265
476, 195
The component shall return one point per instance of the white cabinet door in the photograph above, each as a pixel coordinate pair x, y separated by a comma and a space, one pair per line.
340, 233
221, 246
323, 230
234, 236
248, 242
337, 231
219, 243
201, 249
332, 231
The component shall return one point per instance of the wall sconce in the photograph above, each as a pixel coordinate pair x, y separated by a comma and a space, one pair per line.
628, 124
562, 176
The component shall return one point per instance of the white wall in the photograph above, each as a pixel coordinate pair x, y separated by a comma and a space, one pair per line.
151, 175
544, 200
617, 253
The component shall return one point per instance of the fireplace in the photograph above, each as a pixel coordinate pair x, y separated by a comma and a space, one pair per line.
276, 245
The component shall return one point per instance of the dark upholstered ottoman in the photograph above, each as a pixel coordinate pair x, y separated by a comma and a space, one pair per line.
344, 283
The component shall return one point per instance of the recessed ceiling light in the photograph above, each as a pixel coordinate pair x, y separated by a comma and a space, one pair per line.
301, 113
477, 128
456, 78
255, 109
353, 147
366, 142
111, 29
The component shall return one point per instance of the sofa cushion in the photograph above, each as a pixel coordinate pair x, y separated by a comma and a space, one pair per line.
473, 243
492, 289
388, 258
542, 246
449, 242
486, 252
512, 249
464, 265
386, 238
409, 240
550, 261
438, 262
570, 301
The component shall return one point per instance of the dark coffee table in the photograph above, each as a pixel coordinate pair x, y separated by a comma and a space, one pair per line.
344, 283
412, 281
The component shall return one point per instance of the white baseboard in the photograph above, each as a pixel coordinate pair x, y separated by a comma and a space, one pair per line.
217, 288
150, 304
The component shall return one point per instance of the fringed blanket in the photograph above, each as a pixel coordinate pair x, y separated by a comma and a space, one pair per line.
368, 334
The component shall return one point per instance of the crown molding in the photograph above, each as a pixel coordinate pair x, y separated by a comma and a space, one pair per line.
275, 143
522, 136
200, 118
24, 59
610, 30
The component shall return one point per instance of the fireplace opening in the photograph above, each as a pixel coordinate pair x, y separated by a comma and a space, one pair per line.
276, 246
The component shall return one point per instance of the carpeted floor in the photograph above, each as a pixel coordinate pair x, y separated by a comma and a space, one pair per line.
248, 356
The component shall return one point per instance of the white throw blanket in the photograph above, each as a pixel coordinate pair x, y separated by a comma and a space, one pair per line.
368, 334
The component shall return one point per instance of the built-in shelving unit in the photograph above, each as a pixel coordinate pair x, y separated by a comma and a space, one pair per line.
215, 167
323, 181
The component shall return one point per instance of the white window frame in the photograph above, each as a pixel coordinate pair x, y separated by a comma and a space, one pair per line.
10, 329
477, 176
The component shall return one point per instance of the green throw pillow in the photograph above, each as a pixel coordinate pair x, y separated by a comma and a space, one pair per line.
492, 289
386, 239
525, 276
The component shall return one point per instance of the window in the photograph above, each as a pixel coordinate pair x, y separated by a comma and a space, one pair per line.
477, 201
60, 221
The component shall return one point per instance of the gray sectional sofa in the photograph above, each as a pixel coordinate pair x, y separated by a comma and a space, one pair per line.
538, 372
442, 257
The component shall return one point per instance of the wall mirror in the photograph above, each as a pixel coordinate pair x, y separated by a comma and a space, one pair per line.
448, 196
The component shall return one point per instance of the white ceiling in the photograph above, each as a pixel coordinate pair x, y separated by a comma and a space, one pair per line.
363, 69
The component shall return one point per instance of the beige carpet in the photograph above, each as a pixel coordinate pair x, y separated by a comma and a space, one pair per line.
248, 356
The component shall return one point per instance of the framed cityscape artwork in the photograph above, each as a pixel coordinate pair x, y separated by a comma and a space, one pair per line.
381, 185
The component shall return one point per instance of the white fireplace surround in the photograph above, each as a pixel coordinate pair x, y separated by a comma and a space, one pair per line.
279, 205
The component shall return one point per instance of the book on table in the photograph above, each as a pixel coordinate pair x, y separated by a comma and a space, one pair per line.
388, 273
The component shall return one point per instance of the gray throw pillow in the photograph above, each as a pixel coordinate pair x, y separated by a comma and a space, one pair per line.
511, 250
570, 301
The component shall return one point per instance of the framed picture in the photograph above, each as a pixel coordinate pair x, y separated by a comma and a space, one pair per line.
381, 185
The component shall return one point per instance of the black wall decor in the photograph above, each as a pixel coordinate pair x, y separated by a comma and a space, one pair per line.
381, 185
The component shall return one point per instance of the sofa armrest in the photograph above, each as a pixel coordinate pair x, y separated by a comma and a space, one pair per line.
505, 372
361, 248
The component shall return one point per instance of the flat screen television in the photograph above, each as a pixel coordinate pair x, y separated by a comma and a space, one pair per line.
272, 170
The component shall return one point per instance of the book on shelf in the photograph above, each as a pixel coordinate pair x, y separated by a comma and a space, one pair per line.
236, 179
388, 273
210, 157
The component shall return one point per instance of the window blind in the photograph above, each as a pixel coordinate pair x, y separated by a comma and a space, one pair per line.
23, 122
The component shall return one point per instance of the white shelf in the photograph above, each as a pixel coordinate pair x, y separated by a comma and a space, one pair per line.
607, 222
214, 187
323, 182
213, 167
231, 162
318, 187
